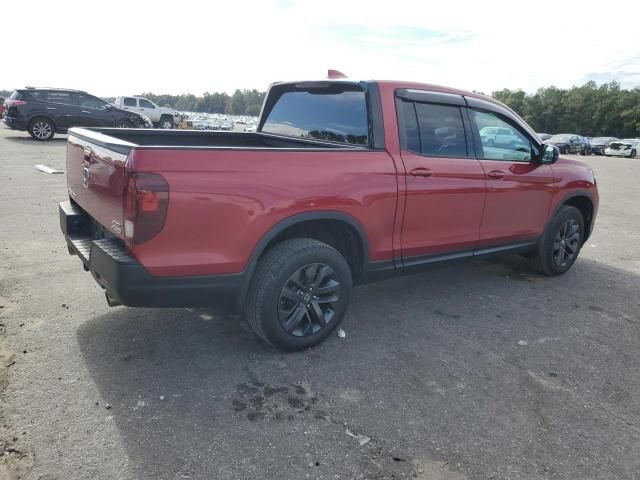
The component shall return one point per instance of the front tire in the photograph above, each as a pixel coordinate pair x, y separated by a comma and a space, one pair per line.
166, 123
561, 242
299, 294
632, 154
41, 129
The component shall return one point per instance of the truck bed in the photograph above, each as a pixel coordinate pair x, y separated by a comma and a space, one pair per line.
124, 139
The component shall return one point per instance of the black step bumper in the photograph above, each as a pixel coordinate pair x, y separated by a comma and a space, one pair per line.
127, 281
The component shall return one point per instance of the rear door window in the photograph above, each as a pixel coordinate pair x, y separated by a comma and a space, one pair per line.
432, 130
130, 102
64, 98
336, 114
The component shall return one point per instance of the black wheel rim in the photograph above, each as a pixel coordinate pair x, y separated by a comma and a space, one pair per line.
566, 243
309, 300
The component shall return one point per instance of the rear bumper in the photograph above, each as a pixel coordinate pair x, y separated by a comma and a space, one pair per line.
126, 280
14, 123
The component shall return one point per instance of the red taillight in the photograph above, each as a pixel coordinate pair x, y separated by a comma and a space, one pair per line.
15, 103
146, 201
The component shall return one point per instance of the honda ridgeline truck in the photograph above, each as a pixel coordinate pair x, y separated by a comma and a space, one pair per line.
343, 182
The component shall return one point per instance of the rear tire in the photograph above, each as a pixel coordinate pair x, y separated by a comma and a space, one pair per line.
633, 154
299, 294
41, 129
561, 242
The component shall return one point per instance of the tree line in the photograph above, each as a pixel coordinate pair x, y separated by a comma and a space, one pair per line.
589, 110
242, 102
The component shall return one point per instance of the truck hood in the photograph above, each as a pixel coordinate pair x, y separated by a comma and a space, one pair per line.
572, 163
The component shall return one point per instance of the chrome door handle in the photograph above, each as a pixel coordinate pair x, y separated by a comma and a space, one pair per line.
497, 174
51, 108
421, 172
84, 111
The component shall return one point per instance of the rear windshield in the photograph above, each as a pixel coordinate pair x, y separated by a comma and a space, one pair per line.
332, 113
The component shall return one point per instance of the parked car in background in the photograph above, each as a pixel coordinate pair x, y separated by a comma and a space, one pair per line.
499, 136
43, 112
570, 143
627, 147
161, 117
599, 144
544, 136
343, 182
2, 107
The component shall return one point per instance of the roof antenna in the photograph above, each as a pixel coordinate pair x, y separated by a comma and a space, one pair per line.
335, 74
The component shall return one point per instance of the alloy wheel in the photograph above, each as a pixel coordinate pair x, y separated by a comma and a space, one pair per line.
308, 300
166, 124
42, 130
566, 243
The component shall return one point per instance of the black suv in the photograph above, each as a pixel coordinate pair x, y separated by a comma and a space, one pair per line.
570, 143
43, 112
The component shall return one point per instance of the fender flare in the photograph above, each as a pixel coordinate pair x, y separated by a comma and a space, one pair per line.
45, 116
281, 226
564, 200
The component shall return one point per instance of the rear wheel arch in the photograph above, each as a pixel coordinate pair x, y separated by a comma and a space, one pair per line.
40, 116
337, 229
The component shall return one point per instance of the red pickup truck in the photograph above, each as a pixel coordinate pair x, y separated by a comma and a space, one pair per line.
343, 182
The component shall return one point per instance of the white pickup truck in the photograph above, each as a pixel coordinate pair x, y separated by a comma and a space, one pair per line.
160, 116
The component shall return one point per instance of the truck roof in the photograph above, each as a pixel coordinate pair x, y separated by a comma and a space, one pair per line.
399, 84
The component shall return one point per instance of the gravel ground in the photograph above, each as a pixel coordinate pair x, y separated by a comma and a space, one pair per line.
483, 370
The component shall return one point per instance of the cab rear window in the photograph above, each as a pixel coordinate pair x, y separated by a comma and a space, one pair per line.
331, 113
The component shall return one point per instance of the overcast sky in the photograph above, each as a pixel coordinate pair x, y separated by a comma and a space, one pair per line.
126, 47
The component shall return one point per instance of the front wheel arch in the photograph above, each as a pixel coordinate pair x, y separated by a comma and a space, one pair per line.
583, 201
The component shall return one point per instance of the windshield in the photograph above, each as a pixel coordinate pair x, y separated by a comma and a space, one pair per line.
326, 113
562, 137
632, 141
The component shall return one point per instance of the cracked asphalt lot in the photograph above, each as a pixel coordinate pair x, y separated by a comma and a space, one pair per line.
483, 370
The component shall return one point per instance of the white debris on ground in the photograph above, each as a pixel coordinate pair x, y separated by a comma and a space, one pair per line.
341, 333
362, 439
523, 343
47, 169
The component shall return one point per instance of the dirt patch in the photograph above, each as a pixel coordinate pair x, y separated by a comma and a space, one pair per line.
435, 470
15, 459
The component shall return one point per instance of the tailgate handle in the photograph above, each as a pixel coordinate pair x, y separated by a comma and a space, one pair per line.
86, 153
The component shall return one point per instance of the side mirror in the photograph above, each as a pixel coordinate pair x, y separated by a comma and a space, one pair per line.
550, 154
108, 107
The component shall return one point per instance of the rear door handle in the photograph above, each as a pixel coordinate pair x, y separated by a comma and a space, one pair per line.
51, 108
421, 172
84, 111
496, 174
